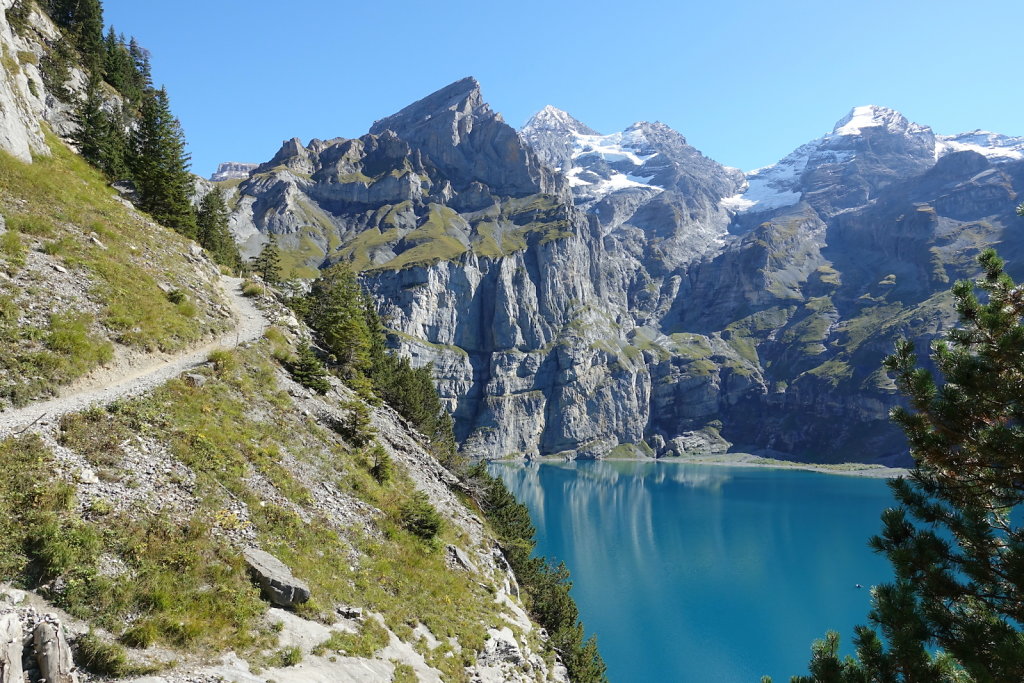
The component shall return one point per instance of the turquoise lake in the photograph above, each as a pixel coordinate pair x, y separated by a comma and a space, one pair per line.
697, 573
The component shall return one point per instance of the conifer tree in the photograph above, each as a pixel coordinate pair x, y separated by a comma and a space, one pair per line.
119, 68
336, 312
92, 125
160, 165
268, 263
213, 232
308, 371
101, 137
140, 60
82, 21
957, 551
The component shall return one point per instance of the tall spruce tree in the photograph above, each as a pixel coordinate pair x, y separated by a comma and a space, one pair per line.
956, 548
213, 232
140, 58
336, 313
268, 263
92, 124
159, 165
120, 69
102, 137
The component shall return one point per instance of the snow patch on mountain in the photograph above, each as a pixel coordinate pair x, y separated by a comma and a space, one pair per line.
995, 146
602, 164
873, 116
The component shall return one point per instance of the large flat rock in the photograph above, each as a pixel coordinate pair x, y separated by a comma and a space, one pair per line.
275, 578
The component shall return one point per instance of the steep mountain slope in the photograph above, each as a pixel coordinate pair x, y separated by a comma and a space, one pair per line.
638, 297
848, 242
131, 522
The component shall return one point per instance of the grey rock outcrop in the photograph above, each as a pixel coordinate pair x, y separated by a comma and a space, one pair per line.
53, 653
275, 578
25, 99
232, 170
10, 649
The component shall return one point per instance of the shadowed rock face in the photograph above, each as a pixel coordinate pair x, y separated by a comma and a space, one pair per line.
587, 294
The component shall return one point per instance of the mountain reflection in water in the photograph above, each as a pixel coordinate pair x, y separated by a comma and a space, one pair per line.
700, 573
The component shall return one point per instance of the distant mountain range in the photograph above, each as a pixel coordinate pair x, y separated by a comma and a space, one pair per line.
583, 294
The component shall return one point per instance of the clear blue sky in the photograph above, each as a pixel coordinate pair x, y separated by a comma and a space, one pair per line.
745, 81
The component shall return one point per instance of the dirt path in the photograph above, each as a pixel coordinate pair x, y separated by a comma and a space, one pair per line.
130, 378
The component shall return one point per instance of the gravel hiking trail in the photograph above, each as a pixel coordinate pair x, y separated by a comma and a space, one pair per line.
123, 378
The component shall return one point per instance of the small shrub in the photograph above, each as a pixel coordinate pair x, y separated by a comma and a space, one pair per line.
307, 370
403, 673
289, 656
12, 248
141, 635
418, 517
18, 16
97, 656
9, 310
176, 296
250, 288
224, 362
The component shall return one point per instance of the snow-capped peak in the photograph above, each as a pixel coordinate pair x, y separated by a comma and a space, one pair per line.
873, 116
554, 119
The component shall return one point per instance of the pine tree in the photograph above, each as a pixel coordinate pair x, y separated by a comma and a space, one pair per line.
308, 371
213, 232
101, 137
82, 21
93, 124
268, 263
957, 552
119, 67
336, 312
160, 163
140, 60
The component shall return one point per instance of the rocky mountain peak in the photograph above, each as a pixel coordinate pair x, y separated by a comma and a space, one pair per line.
469, 142
554, 120
874, 116
451, 104
232, 170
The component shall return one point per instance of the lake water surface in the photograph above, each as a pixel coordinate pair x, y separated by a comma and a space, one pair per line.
704, 573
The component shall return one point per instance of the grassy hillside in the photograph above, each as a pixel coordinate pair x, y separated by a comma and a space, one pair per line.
86, 278
150, 555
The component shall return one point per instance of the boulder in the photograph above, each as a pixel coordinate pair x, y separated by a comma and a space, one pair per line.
275, 578
458, 558
53, 653
10, 649
194, 379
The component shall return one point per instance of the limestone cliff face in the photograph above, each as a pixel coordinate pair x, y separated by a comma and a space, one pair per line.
24, 100
584, 294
